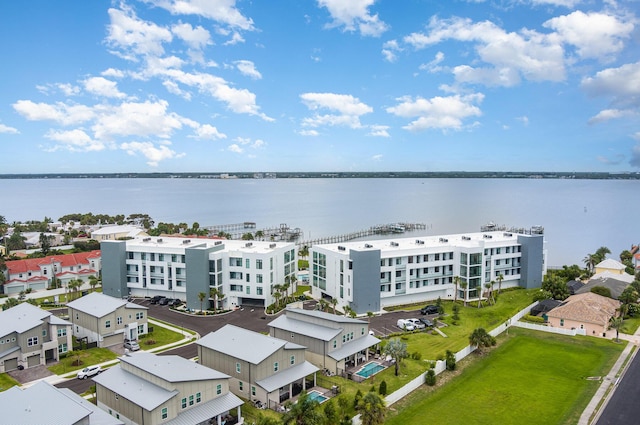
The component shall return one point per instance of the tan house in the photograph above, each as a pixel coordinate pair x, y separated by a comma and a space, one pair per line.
106, 320
333, 342
587, 311
148, 389
29, 336
114, 233
610, 265
262, 368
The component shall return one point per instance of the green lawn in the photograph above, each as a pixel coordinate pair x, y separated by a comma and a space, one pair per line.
7, 382
532, 377
630, 325
87, 357
160, 336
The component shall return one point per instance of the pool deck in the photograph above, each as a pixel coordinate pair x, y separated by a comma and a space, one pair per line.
351, 371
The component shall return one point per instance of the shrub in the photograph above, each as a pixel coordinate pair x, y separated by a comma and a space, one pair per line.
451, 360
430, 378
533, 319
382, 390
357, 398
416, 355
150, 341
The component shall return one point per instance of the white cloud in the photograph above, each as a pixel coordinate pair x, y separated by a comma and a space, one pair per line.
236, 38
438, 112
74, 140
248, 68
390, 50
565, 3
112, 72
434, 65
8, 130
61, 113
377, 158
379, 131
235, 148
311, 133
248, 142
209, 132
524, 120
349, 109
354, 15
221, 11
196, 38
136, 119
133, 36
153, 154
621, 85
510, 56
610, 114
68, 89
595, 35
102, 87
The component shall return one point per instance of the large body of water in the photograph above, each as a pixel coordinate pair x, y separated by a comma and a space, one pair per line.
579, 216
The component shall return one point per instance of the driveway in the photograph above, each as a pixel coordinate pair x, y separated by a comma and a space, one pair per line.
30, 374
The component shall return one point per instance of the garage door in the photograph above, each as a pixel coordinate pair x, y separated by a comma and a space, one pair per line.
33, 360
10, 364
108, 341
15, 289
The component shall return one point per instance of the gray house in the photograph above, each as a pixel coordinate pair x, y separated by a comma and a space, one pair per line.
149, 389
106, 320
333, 342
262, 368
29, 336
42, 403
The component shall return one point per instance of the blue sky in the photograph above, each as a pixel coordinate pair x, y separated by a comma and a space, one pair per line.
319, 85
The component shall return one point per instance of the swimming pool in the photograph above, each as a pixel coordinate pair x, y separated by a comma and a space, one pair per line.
369, 369
317, 396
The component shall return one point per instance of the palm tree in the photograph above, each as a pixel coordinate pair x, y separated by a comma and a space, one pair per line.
500, 278
371, 408
334, 302
201, 297
323, 304
397, 349
93, 282
616, 323
259, 235
480, 338
303, 251
303, 412
214, 293
590, 262
489, 287
464, 285
456, 282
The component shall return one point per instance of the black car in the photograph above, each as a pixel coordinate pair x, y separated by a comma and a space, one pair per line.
429, 309
427, 322
164, 301
156, 299
174, 302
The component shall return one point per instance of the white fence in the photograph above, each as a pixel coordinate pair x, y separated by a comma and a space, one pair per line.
543, 328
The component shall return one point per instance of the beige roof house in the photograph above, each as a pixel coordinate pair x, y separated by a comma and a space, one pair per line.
610, 265
588, 311
114, 233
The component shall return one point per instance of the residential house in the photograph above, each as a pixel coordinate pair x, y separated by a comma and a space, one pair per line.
42, 403
37, 273
333, 342
114, 233
244, 271
543, 307
30, 336
588, 311
610, 265
106, 320
147, 389
370, 275
262, 368
574, 286
614, 280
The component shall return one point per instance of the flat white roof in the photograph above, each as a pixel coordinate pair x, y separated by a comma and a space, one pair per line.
158, 244
420, 243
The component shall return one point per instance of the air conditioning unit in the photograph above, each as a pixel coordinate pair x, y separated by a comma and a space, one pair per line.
248, 245
217, 243
186, 241
146, 240
341, 248
487, 236
508, 234
394, 243
159, 240
272, 245
444, 240
419, 242
368, 246
466, 238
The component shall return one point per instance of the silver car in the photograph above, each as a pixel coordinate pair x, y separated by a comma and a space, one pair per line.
131, 345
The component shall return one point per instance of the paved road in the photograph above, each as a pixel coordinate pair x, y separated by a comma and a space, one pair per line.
623, 408
76, 385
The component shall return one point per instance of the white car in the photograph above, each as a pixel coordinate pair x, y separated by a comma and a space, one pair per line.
416, 323
89, 371
405, 325
131, 345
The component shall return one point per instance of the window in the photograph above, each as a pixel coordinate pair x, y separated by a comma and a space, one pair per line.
258, 278
140, 329
62, 332
219, 389
62, 348
184, 403
191, 400
237, 367
253, 390
247, 278
259, 290
276, 366
292, 361
259, 264
32, 341
165, 413
119, 320
107, 324
335, 343
198, 397
247, 263
561, 322
44, 333
139, 315
241, 386
248, 289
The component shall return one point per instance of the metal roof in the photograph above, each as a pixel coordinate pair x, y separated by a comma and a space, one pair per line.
335, 318
99, 305
354, 346
206, 411
171, 368
98, 416
304, 328
135, 389
21, 318
287, 376
242, 344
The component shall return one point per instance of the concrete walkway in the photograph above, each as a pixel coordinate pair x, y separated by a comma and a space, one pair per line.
601, 398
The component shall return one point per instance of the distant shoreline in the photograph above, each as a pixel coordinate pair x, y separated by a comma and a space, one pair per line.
336, 175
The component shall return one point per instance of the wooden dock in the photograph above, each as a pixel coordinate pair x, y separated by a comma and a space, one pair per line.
381, 229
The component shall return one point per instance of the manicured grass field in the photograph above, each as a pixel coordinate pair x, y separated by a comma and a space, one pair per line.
531, 378
87, 357
160, 336
7, 382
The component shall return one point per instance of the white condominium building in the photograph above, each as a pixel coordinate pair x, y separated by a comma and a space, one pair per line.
244, 271
370, 275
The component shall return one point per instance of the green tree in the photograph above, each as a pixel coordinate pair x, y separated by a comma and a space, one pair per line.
397, 349
93, 282
303, 412
330, 412
601, 290
450, 360
201, 297
372, 409
456, 283
601, 254
430, 378
382, 390
215, 293
627, 297
500, 278
303, 251
334, 303
3, 268
616, 323
45, 243
247, 236
590, 262
480, 338
463, 286
16, 241
10, 302
556, 286
259, 235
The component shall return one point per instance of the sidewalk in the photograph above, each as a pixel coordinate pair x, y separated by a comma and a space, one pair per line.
188, 338
611, 380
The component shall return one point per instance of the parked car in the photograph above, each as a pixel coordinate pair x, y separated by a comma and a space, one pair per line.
174, 302
427, 322
429, 309
89, 371
416, 323
131, 345
405, 325
156, 299
164, 301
